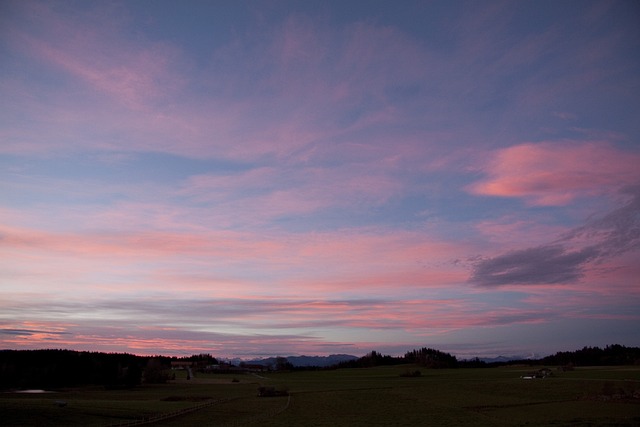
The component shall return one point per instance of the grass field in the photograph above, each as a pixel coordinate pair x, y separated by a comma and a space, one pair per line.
607, 396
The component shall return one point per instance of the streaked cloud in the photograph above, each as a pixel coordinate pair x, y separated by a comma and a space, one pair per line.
541, 265
566, 259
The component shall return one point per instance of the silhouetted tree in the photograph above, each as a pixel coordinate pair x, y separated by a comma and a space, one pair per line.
431, 358
369, 360
282, 364
594, 356
155, 372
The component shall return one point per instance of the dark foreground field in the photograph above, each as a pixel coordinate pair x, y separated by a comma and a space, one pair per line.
603, 396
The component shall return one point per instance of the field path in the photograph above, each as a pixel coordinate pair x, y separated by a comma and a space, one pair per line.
260, 417
259, 376
242, 420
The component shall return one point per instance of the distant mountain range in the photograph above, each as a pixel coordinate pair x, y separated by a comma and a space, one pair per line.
301, 361
503, 359
320, 361
334, 359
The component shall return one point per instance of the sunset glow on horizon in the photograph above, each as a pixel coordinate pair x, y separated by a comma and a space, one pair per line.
269, 178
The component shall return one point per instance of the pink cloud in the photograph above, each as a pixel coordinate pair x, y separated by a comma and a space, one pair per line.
171, 323
278, 321
229, 263
551, 173
236, 325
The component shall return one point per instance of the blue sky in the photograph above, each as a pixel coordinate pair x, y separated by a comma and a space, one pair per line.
277, 178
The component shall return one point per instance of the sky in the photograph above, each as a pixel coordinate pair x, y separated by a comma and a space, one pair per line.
273, 177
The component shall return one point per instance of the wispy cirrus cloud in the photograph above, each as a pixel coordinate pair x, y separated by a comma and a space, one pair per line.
88, 47
266, 194
294, 98
124, 245
211, 260
615, 233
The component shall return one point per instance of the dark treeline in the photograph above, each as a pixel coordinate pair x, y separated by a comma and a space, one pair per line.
430, 358
593, 356
23, 369
426, 357
63, 368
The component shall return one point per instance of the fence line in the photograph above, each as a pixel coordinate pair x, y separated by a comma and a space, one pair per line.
167, 415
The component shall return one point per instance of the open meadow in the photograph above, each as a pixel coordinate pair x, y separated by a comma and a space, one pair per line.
598, 396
